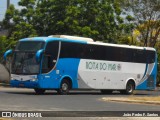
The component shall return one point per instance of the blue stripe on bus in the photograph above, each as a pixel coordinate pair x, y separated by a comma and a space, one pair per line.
67, 68
146, 68
143, 86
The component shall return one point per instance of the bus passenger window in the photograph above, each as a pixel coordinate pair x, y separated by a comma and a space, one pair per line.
46, 66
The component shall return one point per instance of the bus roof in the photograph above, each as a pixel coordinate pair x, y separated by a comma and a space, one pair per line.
121, 45
81, 40
49, 39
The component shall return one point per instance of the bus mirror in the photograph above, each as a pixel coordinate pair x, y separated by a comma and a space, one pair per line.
38, 55
6, 54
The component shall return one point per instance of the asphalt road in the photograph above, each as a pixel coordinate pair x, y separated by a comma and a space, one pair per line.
13, 99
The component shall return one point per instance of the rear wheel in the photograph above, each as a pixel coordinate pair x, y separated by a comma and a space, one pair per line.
64, 88
129, 88
39, 91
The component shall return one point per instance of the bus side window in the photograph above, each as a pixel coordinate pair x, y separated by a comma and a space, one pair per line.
150, 56
50, 57
140, 56
46, 66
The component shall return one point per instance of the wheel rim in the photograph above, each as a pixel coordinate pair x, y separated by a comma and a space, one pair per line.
130, 88
64, 86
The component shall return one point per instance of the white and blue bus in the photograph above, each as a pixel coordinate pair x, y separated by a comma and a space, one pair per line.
63, 63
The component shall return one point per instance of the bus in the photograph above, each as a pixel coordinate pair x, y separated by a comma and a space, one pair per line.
63, 63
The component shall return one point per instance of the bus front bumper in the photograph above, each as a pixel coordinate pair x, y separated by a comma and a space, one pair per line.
24, 84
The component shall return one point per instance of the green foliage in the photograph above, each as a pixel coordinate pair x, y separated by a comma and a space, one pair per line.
4, 45
125, 40
130, 18
3, 42
24, 30
98, 19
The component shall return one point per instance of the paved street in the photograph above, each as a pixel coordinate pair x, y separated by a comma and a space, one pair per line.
26, 99
13, 99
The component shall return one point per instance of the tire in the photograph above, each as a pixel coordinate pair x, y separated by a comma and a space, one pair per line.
106, 91
39, 91
129, 88
64, 88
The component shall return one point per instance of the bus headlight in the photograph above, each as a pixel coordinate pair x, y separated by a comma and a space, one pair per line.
34, 79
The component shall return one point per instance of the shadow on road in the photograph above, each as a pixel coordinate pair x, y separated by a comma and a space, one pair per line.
139, 93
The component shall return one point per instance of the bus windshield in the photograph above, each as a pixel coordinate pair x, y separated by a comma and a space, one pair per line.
25, 63
24, 58
29, 46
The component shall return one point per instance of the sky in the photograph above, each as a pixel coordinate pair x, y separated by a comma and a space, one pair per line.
3, 7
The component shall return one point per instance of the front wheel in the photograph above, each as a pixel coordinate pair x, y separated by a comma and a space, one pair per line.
64, 88
39, 91
129, 88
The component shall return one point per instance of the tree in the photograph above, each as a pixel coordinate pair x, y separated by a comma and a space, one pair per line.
147, 19
19, 21
4, 44
151, 30
98, 19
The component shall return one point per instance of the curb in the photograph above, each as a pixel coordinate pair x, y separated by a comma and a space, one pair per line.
130, 101
4, 85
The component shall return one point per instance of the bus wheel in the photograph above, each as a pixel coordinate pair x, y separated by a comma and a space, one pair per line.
64, 88
106, 91
129, 88
39, 91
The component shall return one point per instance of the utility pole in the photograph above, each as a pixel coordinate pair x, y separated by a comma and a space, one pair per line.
8, 3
